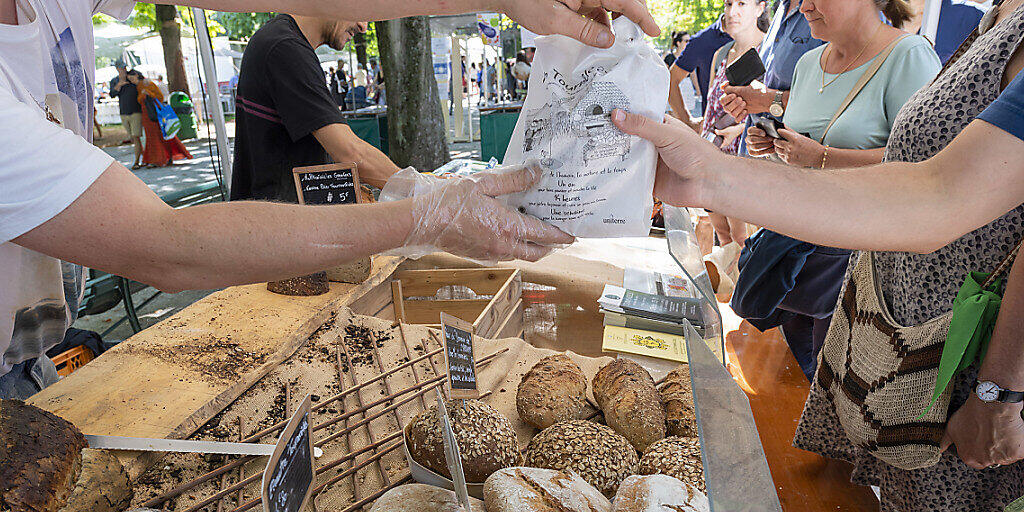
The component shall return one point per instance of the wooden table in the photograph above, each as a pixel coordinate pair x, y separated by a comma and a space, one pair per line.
765, 368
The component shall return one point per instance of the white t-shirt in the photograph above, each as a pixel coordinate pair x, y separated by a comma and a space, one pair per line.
43, 168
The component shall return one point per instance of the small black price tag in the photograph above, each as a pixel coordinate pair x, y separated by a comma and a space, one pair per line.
327, 184
458, 357
288, 479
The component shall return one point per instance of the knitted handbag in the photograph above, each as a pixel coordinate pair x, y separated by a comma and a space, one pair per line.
882, 377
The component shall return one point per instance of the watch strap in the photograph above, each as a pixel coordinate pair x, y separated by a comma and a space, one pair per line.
1010, 397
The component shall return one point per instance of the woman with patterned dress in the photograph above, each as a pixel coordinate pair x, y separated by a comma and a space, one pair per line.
157, 151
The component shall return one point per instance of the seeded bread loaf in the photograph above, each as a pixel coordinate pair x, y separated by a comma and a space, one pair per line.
678, 457
658, 493
541, 490
554, 390
40, 458
355, 272
595, 452
677, 397
487, 440
305, 286
627, 395
422, 498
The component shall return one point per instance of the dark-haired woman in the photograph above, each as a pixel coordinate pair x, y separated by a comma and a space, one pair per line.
157, 151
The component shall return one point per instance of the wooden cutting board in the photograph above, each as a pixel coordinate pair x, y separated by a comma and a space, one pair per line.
171, 378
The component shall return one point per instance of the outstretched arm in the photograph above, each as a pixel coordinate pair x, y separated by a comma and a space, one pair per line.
888, 207
585, 20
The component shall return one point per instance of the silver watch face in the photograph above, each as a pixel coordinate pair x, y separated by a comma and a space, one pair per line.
988, 391
775, 109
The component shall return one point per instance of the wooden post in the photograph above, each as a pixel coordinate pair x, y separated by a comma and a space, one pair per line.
398, 301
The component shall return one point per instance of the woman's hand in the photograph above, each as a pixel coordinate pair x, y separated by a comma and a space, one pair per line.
759, 144
739, 101
729, 134
986, 434
799, 151
683, 156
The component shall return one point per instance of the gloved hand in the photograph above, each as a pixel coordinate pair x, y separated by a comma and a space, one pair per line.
462, 216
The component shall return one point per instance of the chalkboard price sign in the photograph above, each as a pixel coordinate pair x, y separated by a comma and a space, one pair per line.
327, 184
288, 479
458, 357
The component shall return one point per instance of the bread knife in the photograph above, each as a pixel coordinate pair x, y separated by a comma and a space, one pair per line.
452, 456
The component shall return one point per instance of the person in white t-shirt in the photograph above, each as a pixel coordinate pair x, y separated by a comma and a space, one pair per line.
63, 199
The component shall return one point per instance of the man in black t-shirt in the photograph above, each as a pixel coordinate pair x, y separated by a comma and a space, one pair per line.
127, 95
286, 115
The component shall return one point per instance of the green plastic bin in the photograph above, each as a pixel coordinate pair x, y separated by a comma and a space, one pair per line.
182, 106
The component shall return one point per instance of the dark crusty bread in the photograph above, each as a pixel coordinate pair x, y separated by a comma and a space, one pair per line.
103, 485
554, 390
422, 498
627, 395
659, 493
595, 452
541, 490
305, 286
678, 457
677, 397
40, 458
487, 439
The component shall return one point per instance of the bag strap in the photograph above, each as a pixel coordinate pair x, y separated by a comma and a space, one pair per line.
720, 55
1004, 265
863, 81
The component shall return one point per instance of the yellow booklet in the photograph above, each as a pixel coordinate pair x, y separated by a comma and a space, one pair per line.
644, 343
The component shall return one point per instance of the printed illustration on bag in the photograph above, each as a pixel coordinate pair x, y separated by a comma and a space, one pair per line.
566, 117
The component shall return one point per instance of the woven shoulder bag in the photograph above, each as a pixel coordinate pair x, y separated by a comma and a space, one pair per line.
882, 377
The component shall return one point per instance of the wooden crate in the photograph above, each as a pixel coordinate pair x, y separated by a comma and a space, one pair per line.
500, 316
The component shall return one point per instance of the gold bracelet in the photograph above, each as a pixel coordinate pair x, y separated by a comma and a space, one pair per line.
824, 157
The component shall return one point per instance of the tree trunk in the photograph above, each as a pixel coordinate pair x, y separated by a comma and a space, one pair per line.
359, 41
416, 132
170, 37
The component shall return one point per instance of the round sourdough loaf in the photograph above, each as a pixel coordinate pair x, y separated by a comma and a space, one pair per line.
658, 493
541, 490
487, 440
422, 498
41, 458
677, 397
554, 390
595, 452
678, 457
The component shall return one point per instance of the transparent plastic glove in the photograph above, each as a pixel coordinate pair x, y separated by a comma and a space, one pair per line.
462, 216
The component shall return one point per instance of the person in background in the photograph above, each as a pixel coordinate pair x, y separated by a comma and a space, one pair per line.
823, 79
695, 59
160, 84
745, 21
287, 118
788, 39
957, 19
521, 72
343, 83
131, 112
158, 152
679, 40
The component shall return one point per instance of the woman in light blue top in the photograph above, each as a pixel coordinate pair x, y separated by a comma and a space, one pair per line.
825, 76
860, 47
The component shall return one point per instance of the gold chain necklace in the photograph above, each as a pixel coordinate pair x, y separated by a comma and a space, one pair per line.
847, 68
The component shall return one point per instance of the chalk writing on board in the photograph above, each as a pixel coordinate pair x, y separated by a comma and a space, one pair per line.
327, 184
458, 341
288, 479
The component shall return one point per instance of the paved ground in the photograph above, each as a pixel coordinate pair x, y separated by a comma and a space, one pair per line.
164, 180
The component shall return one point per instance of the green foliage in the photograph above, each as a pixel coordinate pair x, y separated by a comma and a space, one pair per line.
144, 16
240, 26
689, 15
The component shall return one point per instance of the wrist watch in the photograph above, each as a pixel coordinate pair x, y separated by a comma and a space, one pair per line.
989, 392
776, 109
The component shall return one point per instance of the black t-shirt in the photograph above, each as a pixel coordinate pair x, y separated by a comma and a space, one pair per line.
127, 97
282, 99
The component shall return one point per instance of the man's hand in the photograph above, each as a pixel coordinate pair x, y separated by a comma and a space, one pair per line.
584, 20
463, 217
799, 151
729, 134
684, 156
748, 99
986, 435
759, 144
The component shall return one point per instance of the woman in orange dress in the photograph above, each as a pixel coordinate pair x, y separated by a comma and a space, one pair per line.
157, 152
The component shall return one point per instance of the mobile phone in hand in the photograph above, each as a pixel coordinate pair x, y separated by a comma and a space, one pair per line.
770, 127
745, 69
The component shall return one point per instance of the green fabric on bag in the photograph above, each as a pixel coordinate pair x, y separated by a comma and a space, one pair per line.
975, 311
